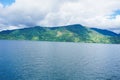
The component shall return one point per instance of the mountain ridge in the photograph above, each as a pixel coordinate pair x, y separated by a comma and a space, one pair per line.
105, 32
69, 33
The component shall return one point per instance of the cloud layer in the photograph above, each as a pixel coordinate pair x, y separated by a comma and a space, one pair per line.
92, 13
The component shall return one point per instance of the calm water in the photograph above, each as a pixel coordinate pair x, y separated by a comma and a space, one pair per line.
27, 60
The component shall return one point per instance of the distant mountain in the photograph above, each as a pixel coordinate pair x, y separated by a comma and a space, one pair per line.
70, 33
105, 32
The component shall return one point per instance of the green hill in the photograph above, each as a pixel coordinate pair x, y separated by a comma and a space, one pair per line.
70, 33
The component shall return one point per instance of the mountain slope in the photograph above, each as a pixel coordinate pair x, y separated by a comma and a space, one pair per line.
105, 32
70, 33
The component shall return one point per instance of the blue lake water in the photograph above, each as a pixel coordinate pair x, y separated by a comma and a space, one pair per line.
34, 60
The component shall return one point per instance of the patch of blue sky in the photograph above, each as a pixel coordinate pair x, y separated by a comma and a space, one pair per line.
114, 14
7, 2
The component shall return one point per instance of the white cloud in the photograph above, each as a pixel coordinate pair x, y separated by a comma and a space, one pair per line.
92, 13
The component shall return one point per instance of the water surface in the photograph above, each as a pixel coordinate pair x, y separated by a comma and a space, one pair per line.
30, 60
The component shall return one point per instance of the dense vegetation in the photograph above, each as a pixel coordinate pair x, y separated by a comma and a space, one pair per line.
71, 33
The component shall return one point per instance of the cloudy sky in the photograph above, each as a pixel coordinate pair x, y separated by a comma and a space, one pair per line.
92, 13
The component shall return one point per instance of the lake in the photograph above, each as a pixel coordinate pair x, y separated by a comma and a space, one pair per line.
36, 60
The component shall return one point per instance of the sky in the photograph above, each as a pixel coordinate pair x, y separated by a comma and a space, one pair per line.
7, 2
102, 14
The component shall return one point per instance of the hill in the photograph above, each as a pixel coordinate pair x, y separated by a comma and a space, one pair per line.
70, 33
105, 32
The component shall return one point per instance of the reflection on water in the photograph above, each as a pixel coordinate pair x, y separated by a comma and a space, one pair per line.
27, 60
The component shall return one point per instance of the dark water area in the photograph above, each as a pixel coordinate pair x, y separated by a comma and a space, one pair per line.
32, 60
